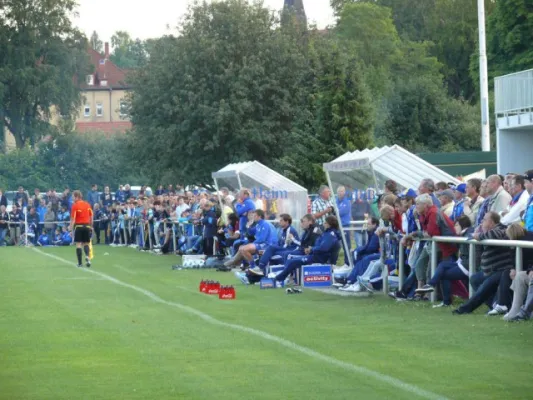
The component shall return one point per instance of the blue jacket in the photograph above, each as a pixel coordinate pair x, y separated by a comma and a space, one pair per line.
41, 211
458, 210
283, 237
242, 212
345, 210
265, 233
528, 215
436, 201
372, 246
66, 238
411, 220
325, 245
120, 196
44, 240
93, 197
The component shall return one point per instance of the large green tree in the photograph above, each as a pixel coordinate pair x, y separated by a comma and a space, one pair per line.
510, 37
96, 43
127, 53
227, 90
40, 54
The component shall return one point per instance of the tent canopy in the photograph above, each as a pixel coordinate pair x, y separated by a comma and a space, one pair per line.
363, 169
265, 184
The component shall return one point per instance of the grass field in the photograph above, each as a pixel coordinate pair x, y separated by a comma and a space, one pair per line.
135, 329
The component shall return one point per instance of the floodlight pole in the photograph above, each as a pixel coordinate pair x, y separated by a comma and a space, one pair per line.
483, 80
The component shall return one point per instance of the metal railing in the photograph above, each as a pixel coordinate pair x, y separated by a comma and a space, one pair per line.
518, 244
513, 93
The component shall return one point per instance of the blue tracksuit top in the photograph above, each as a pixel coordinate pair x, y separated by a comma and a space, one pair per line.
283, 237
372, 246
528, 215
242, 212
325, 245
210, 223
345, 210
265, 233
458, 210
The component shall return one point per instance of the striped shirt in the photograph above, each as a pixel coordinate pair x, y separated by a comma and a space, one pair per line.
495, 258
320, 205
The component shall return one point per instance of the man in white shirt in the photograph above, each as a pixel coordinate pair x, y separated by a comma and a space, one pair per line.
518, 202
499, 198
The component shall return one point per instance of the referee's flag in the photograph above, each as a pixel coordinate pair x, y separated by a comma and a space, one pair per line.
91, 254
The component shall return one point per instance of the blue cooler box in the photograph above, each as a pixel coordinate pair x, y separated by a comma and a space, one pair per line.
317, 275
269, 283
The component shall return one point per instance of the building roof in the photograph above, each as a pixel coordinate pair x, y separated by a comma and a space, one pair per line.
104, 70
105, 127
386, 162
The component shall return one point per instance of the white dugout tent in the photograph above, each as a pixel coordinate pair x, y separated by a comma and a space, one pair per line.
265, 183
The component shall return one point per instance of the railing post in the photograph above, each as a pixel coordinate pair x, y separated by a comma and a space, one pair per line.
518, 259
401, 265
174, 237
433, 264
471, 267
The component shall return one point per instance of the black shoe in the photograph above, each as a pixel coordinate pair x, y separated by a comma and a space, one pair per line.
425, 289
79, 265
87, 262
458, 311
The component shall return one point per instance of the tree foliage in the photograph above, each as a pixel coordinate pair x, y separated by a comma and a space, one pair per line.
128, 53
40, 54
96, 43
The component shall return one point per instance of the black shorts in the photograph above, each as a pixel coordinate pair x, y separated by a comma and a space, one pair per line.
82, 234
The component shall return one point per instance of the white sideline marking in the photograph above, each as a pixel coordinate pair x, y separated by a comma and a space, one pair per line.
293, 346
129, 271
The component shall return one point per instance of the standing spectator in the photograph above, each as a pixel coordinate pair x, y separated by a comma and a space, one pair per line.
244, 205
93, 197
427, 186
507, 181
21, 195
106, 198
499, 198
160, 191
66, 200
460, 199
3, 199
518, 203
446, 202
440, 187
494, 261
322, 206
345, 215
391, 187
127, 193
53, 199
4, 227
472, 206
15, 216
36, 199
120, 195
41, 212
49, 222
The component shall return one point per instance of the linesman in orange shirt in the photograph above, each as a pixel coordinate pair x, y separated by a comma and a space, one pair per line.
81, 223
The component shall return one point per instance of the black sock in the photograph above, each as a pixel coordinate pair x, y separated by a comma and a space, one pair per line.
86, 249
78, 253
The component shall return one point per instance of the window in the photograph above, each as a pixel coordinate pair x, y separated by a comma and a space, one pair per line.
123, 109
90, 80
103, 83
99, 110
87, 110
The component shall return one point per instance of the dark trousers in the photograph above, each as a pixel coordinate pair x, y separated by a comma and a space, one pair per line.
447, 271
485, 291
292, 265
208, 246
505, 294
272, 251
347, 251
97, 231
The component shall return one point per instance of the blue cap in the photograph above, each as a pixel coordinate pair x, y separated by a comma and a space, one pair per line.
460, 188
408, 193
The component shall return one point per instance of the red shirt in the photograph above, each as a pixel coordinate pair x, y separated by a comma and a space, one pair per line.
428, 222
81, 213
398, 221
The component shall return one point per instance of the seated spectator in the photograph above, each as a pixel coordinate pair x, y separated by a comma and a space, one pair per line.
286, 243
44, 240
513, 286
363, 256
265, 235
446, 202
230, 233
326, 245
494, 261
518, 203
452, 269
243, 206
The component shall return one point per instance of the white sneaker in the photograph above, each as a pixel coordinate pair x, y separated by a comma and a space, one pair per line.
272, 275
498, 310
352, 288
343, 269
338, 285
257, 271
441, 305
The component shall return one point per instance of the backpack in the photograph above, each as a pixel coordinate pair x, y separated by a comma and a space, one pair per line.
445, 229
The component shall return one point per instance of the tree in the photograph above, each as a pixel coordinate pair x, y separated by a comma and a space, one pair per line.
96, 43
41, 53
509, 37
227, 90
127, 52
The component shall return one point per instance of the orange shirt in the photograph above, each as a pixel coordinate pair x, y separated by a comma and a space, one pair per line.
81, 213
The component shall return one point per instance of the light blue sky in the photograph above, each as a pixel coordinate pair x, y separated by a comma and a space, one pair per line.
149, 18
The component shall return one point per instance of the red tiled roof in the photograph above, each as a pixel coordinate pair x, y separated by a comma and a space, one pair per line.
106, 127
108, 71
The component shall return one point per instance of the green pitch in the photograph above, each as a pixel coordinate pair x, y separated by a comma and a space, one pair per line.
135, 329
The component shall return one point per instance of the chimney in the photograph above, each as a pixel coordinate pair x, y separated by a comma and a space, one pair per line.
107, 50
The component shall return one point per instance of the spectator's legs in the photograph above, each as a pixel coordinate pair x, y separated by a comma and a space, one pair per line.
97, 232
358, 236
291, 265
3, 233
485, 292
528, 306
446, 272
421, 267
505, 294
208, 246
269, 252
519, 287
348, 251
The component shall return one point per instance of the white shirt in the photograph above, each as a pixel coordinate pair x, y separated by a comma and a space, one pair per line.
515, 210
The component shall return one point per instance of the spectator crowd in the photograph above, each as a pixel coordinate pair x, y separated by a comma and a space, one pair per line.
238, 228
